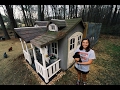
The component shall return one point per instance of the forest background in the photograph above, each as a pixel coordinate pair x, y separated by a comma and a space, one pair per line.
13, 16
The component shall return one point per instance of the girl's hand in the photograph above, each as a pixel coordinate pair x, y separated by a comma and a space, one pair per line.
78, 62
76, 59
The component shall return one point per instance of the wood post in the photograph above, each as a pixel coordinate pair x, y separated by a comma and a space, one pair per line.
43, 58
34, 53
21, 43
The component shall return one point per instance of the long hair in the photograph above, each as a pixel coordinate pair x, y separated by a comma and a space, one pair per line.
88, 48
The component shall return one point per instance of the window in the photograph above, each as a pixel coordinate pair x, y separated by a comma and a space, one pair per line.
54, 48
79, 40
53, 27
72, 43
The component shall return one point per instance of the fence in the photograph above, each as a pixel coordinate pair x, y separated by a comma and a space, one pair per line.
93, 32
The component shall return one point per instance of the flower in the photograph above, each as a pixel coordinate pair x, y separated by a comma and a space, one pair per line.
47, 55
52, 56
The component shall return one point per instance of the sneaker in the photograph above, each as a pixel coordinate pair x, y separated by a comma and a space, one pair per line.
84, 83
78, 83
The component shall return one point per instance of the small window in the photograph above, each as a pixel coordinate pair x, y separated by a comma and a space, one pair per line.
72, 43
79, 40
54, 48
53, 27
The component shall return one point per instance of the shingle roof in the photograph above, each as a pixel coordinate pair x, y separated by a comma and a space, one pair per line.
41, 23
59, 23
51, 36
29, 33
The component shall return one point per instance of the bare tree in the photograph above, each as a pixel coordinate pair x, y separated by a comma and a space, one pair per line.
64, 11
114, 16
6, 35
13, 23
39, 12
24, 16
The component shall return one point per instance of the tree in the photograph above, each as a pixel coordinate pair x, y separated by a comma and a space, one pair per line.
39, 12
13, 23
114, 16
6, 35
24, 16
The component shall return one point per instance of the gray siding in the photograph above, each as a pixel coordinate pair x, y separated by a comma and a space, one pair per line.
63, 47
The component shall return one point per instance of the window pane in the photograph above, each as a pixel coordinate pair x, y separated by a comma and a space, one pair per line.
53, 27
52, 44
71, 41
55, 51
55, 45
70, 47
73, 45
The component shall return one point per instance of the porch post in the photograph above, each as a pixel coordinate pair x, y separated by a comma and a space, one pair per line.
34, 54
29, 57
45, 73
21, 43
26, 46
43, 58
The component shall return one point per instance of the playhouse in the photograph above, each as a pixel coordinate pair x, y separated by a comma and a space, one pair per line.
52, 44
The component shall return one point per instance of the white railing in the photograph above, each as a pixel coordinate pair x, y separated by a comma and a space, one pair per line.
27, 57
48, 72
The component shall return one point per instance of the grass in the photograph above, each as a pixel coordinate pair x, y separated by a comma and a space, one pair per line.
103, 71
14, 70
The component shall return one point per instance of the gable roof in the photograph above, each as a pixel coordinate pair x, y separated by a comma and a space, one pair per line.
51, 36
29, 33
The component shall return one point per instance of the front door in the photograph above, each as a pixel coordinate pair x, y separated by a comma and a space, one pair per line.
74, 42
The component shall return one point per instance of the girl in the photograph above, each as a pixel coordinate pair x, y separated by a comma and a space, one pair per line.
87, 56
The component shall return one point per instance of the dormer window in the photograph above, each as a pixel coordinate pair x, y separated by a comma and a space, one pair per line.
52, 27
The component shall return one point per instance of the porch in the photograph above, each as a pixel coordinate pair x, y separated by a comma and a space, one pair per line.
46, 68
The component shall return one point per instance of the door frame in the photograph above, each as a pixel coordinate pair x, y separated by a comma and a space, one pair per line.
70, 60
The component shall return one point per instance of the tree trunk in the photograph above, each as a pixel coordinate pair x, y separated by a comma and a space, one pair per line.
12, 20
64, 11
4, 28
114, 14
42, 13
39, 12
25, 19
76, 10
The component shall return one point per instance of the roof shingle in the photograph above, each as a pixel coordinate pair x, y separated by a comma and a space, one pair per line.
29, 33
51, 36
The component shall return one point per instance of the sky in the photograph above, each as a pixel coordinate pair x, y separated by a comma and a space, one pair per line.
16, 11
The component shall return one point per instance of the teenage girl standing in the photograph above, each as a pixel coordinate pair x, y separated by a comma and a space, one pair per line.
87, 56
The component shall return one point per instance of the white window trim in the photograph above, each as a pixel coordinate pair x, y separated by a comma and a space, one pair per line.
73, 44
54, 49
50, 27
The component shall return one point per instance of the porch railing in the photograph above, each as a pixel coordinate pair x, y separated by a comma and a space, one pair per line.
27, 57
49, 71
